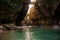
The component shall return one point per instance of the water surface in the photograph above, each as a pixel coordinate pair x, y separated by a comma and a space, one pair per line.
30, 34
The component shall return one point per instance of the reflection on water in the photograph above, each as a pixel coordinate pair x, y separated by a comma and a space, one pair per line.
27, 34
30, 34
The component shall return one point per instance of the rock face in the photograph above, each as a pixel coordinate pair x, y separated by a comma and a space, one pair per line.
34, 15
46, 8
10, 9
43, 11
6, 13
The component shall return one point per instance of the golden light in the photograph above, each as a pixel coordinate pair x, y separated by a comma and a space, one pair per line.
30, 6
28, 17
33, 0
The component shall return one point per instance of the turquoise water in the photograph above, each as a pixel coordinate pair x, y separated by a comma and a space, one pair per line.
31, 34
45, 34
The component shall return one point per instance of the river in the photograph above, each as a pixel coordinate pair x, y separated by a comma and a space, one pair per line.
30, 34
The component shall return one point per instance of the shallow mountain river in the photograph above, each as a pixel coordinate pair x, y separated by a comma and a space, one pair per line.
30, 34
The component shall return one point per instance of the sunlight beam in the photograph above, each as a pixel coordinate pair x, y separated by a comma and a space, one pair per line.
33, 0
30, 6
